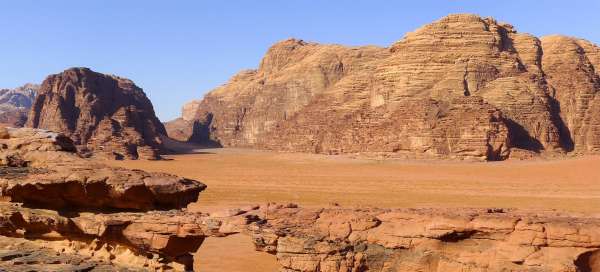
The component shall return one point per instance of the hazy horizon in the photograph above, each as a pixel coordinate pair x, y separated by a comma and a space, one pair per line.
178, 52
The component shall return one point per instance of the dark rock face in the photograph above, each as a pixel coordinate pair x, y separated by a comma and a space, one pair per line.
406, 100
192, 130
15, 104
107, 115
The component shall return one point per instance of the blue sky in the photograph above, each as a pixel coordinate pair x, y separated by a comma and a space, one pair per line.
178, 50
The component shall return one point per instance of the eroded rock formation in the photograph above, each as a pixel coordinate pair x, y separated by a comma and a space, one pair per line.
72, 214
41, 169
104, 114
572, 67
171, 236
15, 104
460, 87
309, 239
337, 239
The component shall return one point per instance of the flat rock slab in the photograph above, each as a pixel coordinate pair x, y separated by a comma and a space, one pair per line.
339, 239
41, 169
95, 186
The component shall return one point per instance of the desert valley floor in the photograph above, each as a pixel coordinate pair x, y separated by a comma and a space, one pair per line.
239, 176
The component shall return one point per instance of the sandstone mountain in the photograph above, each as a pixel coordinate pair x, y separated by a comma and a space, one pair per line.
462, 87
105, 114
15, 104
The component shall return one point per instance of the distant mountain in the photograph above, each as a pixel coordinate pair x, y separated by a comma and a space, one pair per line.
462, 87
15, 104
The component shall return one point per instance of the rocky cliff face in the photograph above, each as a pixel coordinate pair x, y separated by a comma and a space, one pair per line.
572, 67
15, 104
107, 115
462, 87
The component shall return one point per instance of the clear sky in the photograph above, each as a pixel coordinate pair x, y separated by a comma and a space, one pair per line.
178, 50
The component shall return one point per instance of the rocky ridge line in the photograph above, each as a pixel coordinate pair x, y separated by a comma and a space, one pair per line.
462, 87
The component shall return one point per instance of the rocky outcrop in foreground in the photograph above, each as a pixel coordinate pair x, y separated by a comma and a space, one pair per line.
104, 114
41, 170
71, 214
462, 87
81, 201
15, 104
337, 239
133, 241
310, 240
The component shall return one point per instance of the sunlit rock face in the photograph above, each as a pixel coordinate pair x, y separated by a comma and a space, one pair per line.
68, 213
462, 87
572, 71
341, 240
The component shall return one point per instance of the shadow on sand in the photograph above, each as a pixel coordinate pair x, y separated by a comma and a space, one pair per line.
174, 147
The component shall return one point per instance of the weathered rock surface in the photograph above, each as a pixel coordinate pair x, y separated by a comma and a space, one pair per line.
40, 169
310, 239
118, 239
19, 254
179, 129
84, 231
156, 240
462, 87
572, 68
337, 239
107, 115
15, 104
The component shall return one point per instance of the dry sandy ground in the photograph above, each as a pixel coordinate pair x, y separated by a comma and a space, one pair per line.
238, 177
232, 254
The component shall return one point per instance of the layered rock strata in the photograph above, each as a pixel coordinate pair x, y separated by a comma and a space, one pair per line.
83, 229
337, 239
42, 170
462, 87
104, 114
140, 241
20, 254
82, 208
